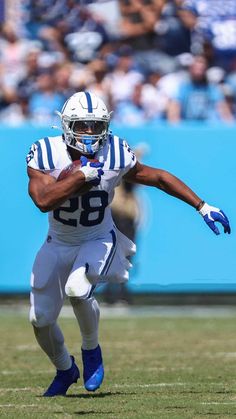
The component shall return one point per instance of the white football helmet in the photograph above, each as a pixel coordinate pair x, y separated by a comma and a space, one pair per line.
85, 122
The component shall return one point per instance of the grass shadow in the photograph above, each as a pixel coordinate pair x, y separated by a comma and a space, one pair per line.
97, 395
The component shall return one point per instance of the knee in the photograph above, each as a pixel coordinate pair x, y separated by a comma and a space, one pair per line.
85, 304
78, 301
39, 318
75, 301
79, 289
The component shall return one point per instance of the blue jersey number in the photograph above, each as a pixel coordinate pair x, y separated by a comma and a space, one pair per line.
92, 212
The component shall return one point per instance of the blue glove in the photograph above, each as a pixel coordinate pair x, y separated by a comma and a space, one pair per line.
91, 170
211, 215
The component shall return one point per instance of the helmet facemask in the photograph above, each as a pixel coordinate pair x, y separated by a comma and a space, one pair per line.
86, 136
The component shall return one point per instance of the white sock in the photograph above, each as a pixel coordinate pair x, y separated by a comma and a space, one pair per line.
87, 314
51, 340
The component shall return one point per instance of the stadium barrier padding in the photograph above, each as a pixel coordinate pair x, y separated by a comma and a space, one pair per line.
176, 251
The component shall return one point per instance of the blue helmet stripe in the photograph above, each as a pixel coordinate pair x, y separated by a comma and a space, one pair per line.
89, 101
112, 153
122, 154
49, 153
40, 155
111, 254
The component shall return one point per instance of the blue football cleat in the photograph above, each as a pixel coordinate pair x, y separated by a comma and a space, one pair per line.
93, 368
63, 380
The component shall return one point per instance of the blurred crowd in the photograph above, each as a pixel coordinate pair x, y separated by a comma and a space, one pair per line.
149, 60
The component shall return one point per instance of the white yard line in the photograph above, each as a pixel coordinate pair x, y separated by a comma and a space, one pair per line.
18, 389
16, 372
18, 405
218, 403
131, 385
150, 385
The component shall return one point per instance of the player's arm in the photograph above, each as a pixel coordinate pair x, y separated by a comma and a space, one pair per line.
165, 181
47, 193
170, 184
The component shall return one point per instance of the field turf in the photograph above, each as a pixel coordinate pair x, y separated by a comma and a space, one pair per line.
156, 367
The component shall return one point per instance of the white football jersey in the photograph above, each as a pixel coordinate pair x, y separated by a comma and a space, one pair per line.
88, 216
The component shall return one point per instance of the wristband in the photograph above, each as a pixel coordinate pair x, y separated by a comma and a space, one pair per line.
199, 205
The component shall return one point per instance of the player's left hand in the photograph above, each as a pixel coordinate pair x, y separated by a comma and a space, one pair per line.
211, 215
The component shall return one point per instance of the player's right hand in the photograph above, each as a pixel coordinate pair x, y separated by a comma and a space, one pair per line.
211, 215
91, 170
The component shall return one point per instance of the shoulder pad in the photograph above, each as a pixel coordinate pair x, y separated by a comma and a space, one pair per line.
121, 155
42, 155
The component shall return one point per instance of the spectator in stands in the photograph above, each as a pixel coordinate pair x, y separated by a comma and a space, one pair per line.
45, 100
197, 99
168, 83
13, 53
88, 36
69, 29
153, 99
27, 84
172, 36
15, 112
52, 40
121, 81
229, 87
98, 69
138, 20
145, 105
213, 26
74, 41
62, 78
131, 111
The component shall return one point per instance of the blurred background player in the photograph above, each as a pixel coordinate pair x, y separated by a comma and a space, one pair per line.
83, 247
126, 213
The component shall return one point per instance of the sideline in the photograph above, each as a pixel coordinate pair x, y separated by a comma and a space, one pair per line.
124, 310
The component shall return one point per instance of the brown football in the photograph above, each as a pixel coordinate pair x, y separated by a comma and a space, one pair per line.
72, 168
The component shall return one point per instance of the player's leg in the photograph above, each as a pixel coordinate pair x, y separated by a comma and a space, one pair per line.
47, 332
47, 298
98, 261
92, 262
87, 314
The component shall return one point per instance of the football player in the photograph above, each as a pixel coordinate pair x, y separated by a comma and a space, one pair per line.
83, 247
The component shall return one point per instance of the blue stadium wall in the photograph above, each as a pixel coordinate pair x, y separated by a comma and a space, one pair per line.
176, 252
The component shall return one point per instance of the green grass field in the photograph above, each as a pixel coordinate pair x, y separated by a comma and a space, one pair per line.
156, 367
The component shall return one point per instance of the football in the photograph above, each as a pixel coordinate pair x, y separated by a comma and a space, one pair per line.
72, 168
